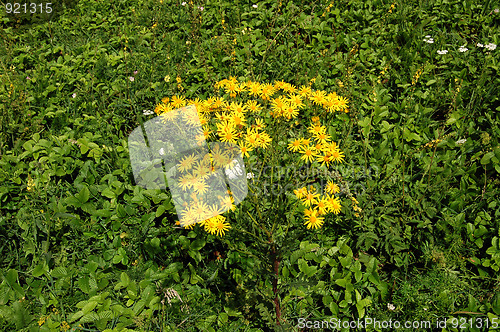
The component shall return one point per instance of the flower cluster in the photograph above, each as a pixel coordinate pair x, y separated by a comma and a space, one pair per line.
242, 121
489, 47
318, 147
318, 205
428, 39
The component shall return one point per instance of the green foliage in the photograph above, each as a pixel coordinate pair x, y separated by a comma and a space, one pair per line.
83, 247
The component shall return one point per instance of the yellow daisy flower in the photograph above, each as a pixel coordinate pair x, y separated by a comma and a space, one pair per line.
295, 145
308, 154
177, 101
314, 221
310, 198
332, 188
253, 106
245, 148
333, 204
301, 192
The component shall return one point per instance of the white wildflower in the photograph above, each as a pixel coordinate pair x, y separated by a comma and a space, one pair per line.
428, 39
391, 306
463, 48
254, 6
479, 45
184, 3
162, 152
461, 141
490, 46
442, 51
250, 175
147, 112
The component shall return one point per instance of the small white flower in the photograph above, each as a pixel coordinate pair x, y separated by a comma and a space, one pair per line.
131, 79
254, 6
147, 112
162, 152
184, 3
479, 45
496, 10
73, 95
250, 175
428, 39
463, 48
390, 306
201, 8
490, 46
442, 51
461, 141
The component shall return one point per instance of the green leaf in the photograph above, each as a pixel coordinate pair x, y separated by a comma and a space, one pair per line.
39, 270
84, 195
160, 211
486, 158
108, 193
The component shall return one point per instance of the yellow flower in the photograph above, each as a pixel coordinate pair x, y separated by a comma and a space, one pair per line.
310, 198
237, 108
254, 88
41, 321
245, 148
296, 100
332, 188
305, 91
221, 227
316, 129
31, 184
238, 119
314, 221
295, 145
266, 92
227, 202
301, 192
200, 187
187, 181
253, 106
308, 154
324, 159
290, 112
65, 326
333, 204
290, 88
259, 124
251, 139
318, 97
178, 102
322, 137
218, 103
187, 162
338, 156
343, 103
322, 206
263, 139
228, 134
